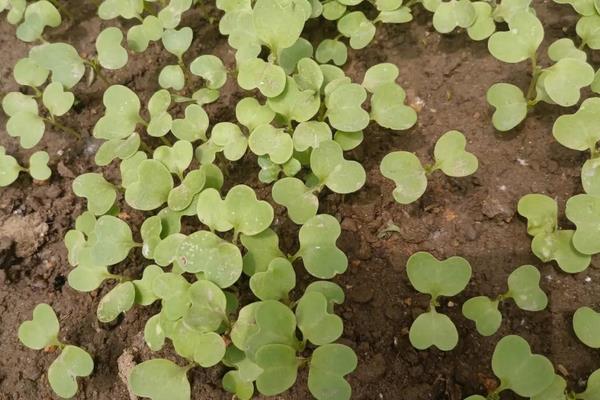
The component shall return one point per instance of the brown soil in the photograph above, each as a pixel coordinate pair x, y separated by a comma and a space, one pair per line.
473, 217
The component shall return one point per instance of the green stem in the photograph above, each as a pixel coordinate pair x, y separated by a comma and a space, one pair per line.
145, 147
62, 127
166, 141
535, 74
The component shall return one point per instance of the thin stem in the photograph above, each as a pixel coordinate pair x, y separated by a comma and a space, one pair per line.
145, 147
62, 127
535, 74
165, 141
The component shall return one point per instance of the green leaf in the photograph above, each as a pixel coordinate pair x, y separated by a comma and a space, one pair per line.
484, 25
269, 78
586, 324
280, 369
261, 250
590, 176
358, 28
211, 69
541, 213
183, 195
317, 324
38, 166
208, 309
484, 312
329, 166
452, 14
127, 9
112, 242
152, 187
584, 211
433, 329
193, 127
333, 10
119, 300
72, 362
388, 108
300, 201
42, 330
328, 366
240, 210
332, 50
310, 134
510, 105
271, 141
508, 9
139, 36
451, 157
524, 373
56, 100
62, 60
275, 324
9, 168
279, 23
558, 246
566, 78
171, 77
170, 16
318, 237
233, 383
524, 288
593, 387
579, 131
276, 282
408, 174
294, 104
117, 148
203, 251
160, 379
129, 167
379, 75
348, 140
37, 16
121, 115
28, 127
565, 48
250, 113
587, 29
100, 193
144, 295
288, 58
111, 54
176, 41
176, 158
520, 42
28, 73
437, 278
344, 108
87, 278
556, 390
309, 75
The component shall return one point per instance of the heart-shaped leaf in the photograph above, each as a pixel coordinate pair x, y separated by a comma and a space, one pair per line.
524, 288
139, 36
176, 41
276, 282
484, 312
121, 115
590, 176
171, 77
144, 295
433, 329
234, 383
37, 16
62, 60
128, 9
328, 366
299, 200
556, 390
510, 105
38, 166
541, 213
559, 246
317, 324
24, 121
388, 108
280, 368
240, 210
584, 211
310, 134
42, 330
565, 48
520, 42
329, 166
261, 250
275, 324
271, 141
519, 370
160, 379
279, 23
380, 74
451, 156
358, 28
183, 195
119, 300
408, 174
438, 278
111, 54
9, 168
28, 73
295, 104
452, 14
87, 278
579, 131
211, 69
309, 75
176, 158
152, 187
484, 25
72, 362
100, 193
250, 113
587, 29
288, 58
269, 78
112, 241
586, 324
332, 50
318, 237
565, 79
117, 148
344, 108
193, 127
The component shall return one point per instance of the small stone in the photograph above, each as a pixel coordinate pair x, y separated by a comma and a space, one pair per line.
362, 293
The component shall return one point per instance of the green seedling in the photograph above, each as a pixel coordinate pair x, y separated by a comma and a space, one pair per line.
410, 176
579, 131
36, 18
111, 54
436, 278
583, 210
523, 288
586, 324
10, 168
42, 333
549, 242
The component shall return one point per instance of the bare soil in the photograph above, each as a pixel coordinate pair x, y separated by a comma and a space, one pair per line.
474, 217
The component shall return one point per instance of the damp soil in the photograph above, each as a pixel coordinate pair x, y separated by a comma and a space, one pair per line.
446, 77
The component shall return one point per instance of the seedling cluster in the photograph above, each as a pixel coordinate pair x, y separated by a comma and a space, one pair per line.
300, 116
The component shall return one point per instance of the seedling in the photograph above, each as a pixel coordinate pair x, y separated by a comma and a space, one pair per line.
523, 288
549, 242
10, 168
42, 333
586, 324
436, 278
410, 176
